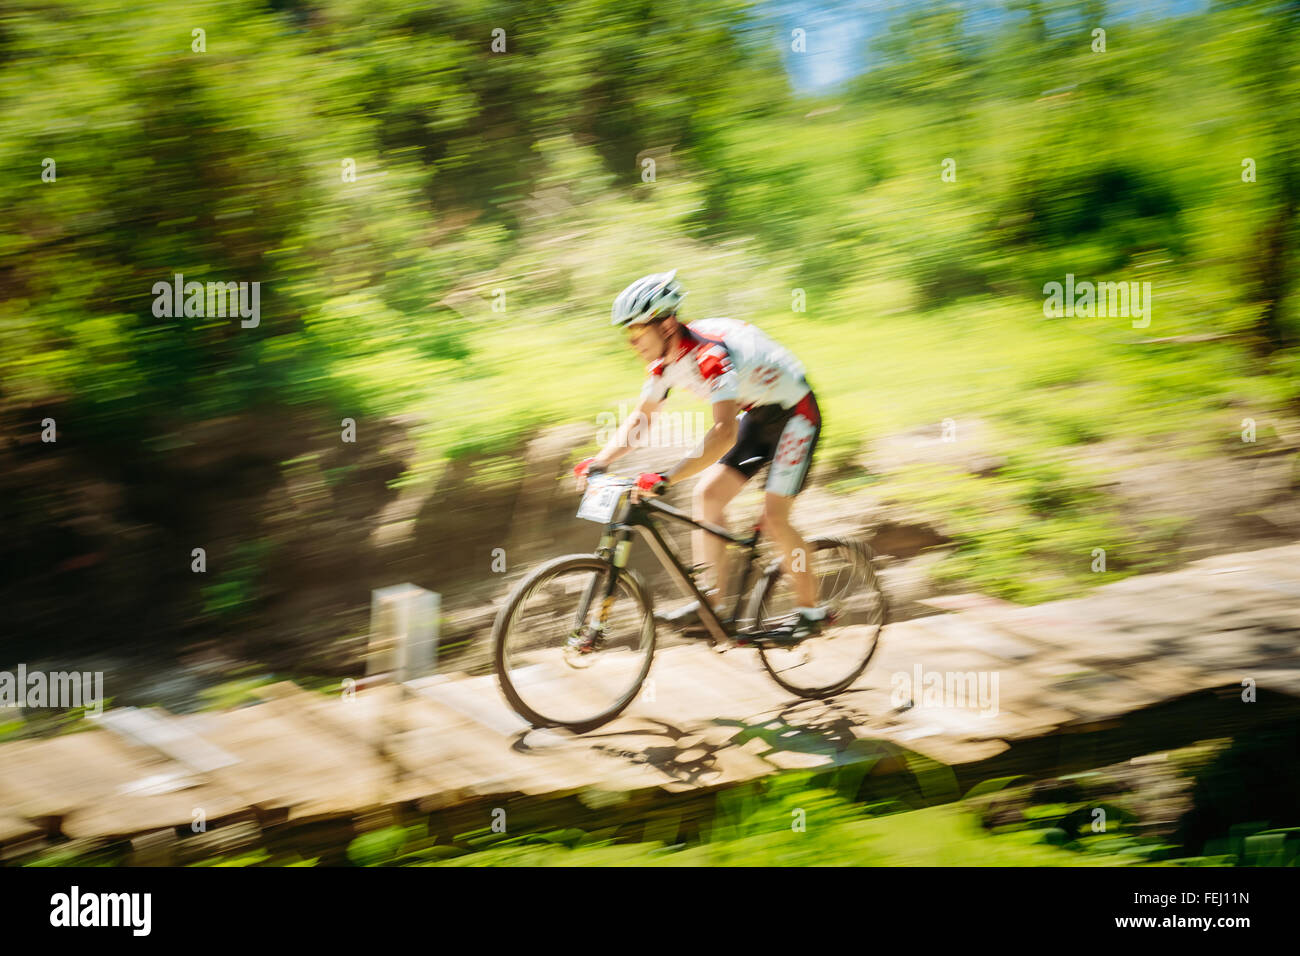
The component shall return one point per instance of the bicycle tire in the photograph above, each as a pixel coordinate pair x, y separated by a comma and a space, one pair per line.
769, 580
505, 621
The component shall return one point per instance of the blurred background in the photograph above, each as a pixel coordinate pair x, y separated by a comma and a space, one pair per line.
440, 202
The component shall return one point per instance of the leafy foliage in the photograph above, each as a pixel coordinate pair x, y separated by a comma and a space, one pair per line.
392, 180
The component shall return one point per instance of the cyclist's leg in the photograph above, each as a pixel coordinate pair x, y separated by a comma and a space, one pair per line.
776, 523
722, 482
785, 479
718, 485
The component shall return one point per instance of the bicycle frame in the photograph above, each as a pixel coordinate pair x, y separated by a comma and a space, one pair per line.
615, 544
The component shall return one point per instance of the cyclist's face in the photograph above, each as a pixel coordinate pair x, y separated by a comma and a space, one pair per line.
648, 340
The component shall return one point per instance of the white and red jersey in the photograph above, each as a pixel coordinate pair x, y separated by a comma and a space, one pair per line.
729, 360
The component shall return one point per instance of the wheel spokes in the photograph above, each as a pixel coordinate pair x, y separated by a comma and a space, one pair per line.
846, 585
561, 661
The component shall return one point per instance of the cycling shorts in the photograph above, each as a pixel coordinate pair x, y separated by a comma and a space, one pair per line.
786, 437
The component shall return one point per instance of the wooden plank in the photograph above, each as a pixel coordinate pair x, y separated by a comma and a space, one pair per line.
980, 633
434, 739
15, 830
710, 760
427, 752
509, 769
604, 767
151, 728
618, 761
692, 685
91, 780
1062, 624
565, 693
479, 700
379, 718
287, 763
739, 675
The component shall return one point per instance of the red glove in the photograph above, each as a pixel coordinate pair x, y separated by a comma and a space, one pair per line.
651, 481
586, 468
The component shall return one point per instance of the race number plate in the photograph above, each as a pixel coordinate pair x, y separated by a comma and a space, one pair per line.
601, 498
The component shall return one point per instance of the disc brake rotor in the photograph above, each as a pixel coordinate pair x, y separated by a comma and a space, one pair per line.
581, 647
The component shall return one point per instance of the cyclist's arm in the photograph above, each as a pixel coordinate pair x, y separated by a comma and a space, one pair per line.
617, 446
715, 443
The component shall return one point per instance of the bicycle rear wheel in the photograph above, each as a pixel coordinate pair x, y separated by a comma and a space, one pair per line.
828, 663
556, 664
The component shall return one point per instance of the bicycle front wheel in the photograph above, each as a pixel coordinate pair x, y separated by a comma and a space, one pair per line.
846, 582
562, 658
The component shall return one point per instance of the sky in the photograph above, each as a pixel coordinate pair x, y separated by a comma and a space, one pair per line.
838, 31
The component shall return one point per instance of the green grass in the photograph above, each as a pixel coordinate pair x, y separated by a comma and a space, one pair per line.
235, 693
935, 836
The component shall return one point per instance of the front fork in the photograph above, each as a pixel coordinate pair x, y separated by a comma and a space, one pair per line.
614, 547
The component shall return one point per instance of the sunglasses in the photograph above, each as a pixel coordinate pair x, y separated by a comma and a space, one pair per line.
637, 331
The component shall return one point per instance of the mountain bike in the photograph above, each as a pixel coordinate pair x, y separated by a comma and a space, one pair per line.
574, 641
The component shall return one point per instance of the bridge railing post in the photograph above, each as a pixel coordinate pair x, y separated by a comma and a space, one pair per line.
403, 632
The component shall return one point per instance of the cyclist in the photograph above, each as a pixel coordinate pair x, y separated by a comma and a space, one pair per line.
763, 412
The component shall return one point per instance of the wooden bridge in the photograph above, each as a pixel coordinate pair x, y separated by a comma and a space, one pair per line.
1143, 665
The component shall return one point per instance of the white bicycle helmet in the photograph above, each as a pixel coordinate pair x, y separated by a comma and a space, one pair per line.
647, 298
